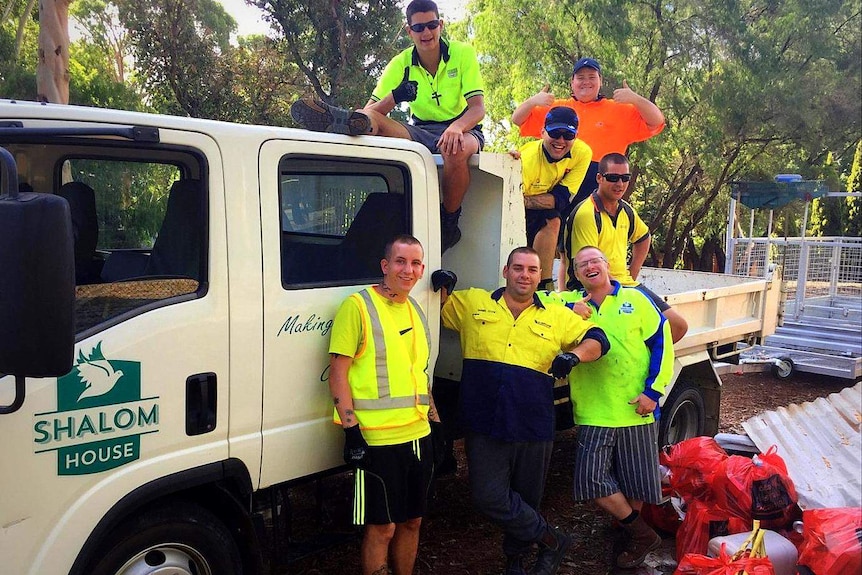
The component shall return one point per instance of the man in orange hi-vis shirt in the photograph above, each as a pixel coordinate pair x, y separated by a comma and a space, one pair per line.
606, 124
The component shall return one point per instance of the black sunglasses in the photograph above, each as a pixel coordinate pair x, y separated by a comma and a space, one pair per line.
614, 178
564, 134
432, 25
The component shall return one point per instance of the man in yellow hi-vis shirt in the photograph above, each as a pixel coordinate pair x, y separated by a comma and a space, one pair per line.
614, 401
378, 377
511, 343
441, 81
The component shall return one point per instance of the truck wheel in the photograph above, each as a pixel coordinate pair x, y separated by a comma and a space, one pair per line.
783, 368
683, 415
180, 539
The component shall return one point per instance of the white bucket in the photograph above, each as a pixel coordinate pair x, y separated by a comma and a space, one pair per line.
781, 552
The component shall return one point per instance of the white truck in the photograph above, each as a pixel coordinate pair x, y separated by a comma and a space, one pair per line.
164, 327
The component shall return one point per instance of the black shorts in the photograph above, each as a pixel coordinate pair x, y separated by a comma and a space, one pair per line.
393, 485
428, 134
538, 219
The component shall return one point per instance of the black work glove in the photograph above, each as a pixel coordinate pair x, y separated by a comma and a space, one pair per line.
444, 279
355, 446
563, 364
406, 91
438, 441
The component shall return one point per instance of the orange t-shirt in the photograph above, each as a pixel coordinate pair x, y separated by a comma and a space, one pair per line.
605, 125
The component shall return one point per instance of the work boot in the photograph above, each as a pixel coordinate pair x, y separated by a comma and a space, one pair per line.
552, 548
514, 565
642, 540
318, 116
450, 234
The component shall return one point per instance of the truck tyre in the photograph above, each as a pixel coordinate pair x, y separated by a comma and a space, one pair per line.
181, 538
783, 368
683, 415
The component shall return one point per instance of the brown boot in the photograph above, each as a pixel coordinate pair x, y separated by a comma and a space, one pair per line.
642, 540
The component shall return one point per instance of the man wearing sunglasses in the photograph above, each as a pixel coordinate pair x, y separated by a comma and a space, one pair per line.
441, 81
607, 221
551, 169
607, 125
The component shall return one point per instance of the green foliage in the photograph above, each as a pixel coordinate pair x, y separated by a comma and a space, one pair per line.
177, 46
340, 48
92, 84
130, 199
749, 88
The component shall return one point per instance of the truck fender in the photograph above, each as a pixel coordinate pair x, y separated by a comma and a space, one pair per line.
220, 486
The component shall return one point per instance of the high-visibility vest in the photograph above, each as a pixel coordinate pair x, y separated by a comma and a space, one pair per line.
389, 389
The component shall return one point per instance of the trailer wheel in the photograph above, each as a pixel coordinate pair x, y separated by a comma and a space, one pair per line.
180, 539
783, 367
683, 415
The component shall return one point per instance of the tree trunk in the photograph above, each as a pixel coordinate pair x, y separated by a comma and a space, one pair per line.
52, 71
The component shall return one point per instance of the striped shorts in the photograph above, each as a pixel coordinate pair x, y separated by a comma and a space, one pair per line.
612, 459
393, 485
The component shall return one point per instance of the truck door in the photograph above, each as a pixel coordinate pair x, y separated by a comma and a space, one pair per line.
327, 212
148, 394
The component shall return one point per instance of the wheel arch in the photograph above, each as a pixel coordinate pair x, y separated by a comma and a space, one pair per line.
220, 487
696, 371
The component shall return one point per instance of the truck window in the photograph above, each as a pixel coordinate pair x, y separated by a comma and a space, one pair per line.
336, 217
139, 229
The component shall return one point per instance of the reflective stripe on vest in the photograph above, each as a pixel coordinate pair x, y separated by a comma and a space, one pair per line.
384, 401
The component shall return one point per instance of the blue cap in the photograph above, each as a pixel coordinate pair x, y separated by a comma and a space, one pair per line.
586, 63
561, 118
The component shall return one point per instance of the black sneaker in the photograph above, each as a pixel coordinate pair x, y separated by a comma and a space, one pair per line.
318, 116
450, 234
549, 558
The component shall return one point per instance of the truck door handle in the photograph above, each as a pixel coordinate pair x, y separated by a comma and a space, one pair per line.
201, 403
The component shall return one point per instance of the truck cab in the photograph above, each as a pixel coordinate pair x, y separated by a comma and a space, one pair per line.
176, 374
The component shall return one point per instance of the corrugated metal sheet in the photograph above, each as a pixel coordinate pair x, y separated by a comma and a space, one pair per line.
821, 442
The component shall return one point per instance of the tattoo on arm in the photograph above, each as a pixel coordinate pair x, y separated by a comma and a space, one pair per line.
382, 570
336, 400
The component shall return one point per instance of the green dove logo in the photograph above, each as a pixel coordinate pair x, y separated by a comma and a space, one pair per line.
98, 376
100, 418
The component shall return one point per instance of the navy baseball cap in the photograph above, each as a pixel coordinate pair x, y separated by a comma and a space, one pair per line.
586, 63
561, 118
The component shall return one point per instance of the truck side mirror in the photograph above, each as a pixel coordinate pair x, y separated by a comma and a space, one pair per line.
37, 284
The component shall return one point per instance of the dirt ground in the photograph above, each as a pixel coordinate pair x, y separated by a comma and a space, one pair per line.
456, 540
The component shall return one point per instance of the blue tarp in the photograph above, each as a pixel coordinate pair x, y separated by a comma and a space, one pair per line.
773, 195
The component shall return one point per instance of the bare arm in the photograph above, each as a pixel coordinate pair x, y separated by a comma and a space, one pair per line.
340, 388
648, 111
541, 98
588, 350
544, 201
639, 254
384, 106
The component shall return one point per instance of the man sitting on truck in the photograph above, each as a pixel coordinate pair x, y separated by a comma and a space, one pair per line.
379, 353
440, 79
551, 170
511, 342
607, 221
616, 458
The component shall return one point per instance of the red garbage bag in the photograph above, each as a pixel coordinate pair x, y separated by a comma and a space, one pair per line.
702, 522
832, 541
756, 488
662, 517
692, 463
724, 564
